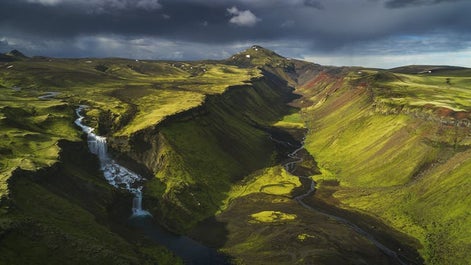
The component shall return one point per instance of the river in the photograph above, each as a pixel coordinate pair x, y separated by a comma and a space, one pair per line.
291, 167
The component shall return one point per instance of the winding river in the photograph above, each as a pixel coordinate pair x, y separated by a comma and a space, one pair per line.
291, 167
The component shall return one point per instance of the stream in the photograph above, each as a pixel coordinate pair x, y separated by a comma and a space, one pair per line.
291, 166
192, 252
48, 95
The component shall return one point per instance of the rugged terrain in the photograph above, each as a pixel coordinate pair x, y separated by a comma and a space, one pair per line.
387, 149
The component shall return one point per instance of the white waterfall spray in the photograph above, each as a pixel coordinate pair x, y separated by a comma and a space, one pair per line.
115, 174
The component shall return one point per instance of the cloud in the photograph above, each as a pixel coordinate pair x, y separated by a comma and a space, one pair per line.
344, 27
148, 4
409, 3
45, 2
102, 4
313, 3
4, 45
288, 24
242, 18
459, 58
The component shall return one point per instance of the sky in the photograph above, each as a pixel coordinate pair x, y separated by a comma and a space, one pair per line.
372, 33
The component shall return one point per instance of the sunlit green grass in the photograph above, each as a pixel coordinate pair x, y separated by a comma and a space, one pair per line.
274, 181
448, 91
291, 121
30, 129
272, 217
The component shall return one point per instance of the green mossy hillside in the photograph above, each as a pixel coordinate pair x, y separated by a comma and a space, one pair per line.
398, 145
30, 130
197, 155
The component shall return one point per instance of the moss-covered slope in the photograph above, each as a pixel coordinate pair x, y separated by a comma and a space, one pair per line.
398, 145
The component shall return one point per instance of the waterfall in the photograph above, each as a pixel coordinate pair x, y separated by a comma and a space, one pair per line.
114, 173
97, 145
137, 203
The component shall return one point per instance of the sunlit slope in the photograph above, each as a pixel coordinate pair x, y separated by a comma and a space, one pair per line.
30, 130
124, 96
398, 145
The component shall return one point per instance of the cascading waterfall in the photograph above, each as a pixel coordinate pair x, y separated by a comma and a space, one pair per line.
115, 174
190, 251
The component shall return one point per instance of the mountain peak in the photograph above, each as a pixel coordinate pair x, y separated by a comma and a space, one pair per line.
15, 53
255, 56
257, 50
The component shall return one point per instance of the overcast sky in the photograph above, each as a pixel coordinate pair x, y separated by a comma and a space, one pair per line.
376, 33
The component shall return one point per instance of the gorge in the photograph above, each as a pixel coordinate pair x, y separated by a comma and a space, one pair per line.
251, 160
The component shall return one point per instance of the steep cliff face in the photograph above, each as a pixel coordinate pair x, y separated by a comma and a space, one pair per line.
195, 155
397, 147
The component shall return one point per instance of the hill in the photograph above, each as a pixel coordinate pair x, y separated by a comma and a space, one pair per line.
425, 69
395, 146
13, 55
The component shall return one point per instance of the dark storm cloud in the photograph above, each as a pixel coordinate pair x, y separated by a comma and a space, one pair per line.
409, 3
4, 45
314, 4
68, 19
299, 27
